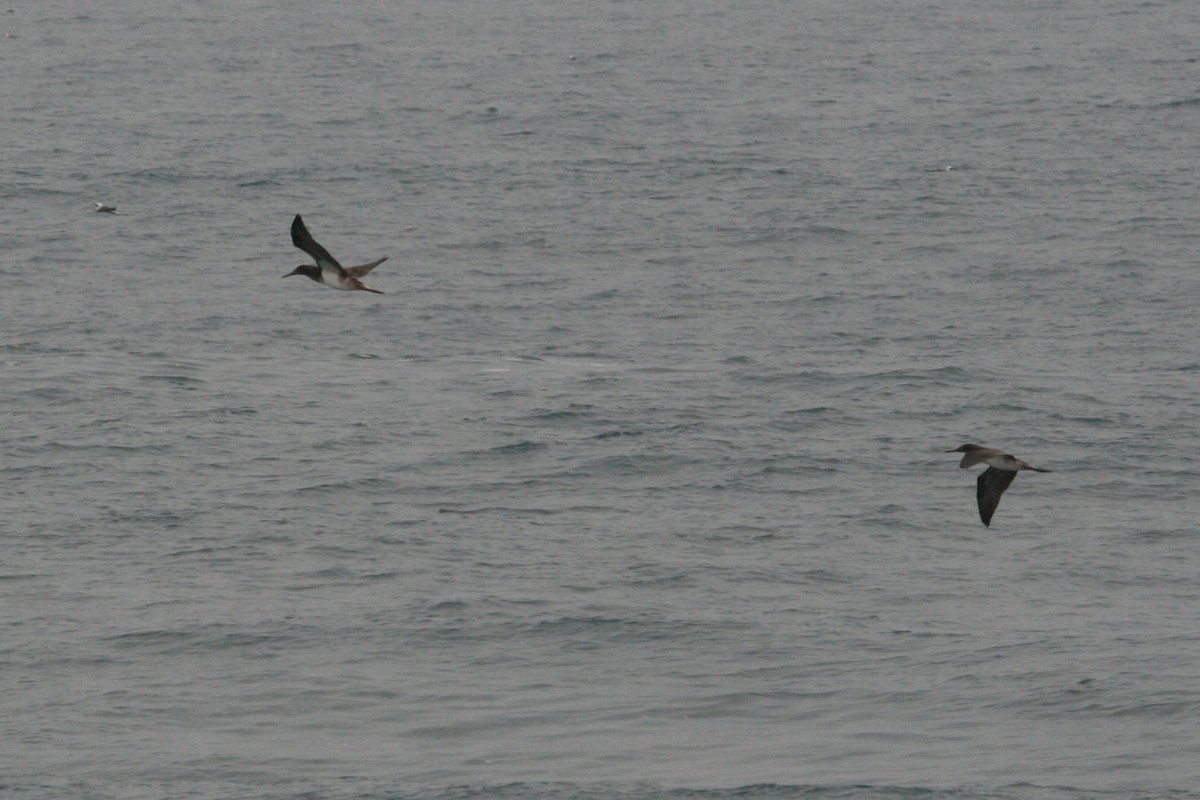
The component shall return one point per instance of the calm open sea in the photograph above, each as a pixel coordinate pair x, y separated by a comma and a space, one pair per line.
633, 483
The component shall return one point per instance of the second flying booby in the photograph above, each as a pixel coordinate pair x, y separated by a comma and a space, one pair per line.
1002, 468
327, 270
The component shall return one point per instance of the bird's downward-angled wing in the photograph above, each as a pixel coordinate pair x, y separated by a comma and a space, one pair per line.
992, 484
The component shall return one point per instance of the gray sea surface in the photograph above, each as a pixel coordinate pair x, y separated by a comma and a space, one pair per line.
633, 483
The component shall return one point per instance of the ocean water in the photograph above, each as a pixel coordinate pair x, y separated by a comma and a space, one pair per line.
633, 483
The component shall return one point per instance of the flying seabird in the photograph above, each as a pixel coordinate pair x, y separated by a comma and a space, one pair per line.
106, 209
327, 270
1002, 468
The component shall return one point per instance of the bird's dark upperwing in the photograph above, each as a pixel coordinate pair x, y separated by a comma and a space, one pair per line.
303, 239
992, 484
363, 269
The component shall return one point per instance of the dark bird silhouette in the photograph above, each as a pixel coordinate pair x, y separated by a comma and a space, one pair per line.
1002, 468
327, 270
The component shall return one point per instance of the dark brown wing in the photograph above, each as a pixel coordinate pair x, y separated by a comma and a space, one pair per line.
303, 239
992, 484
363, 269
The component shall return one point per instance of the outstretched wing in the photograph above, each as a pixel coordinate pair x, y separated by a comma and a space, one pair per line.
303, 239
992, 484
977, 456
363, 269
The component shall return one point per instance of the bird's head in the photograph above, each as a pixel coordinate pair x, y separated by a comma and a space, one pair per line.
306, 269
